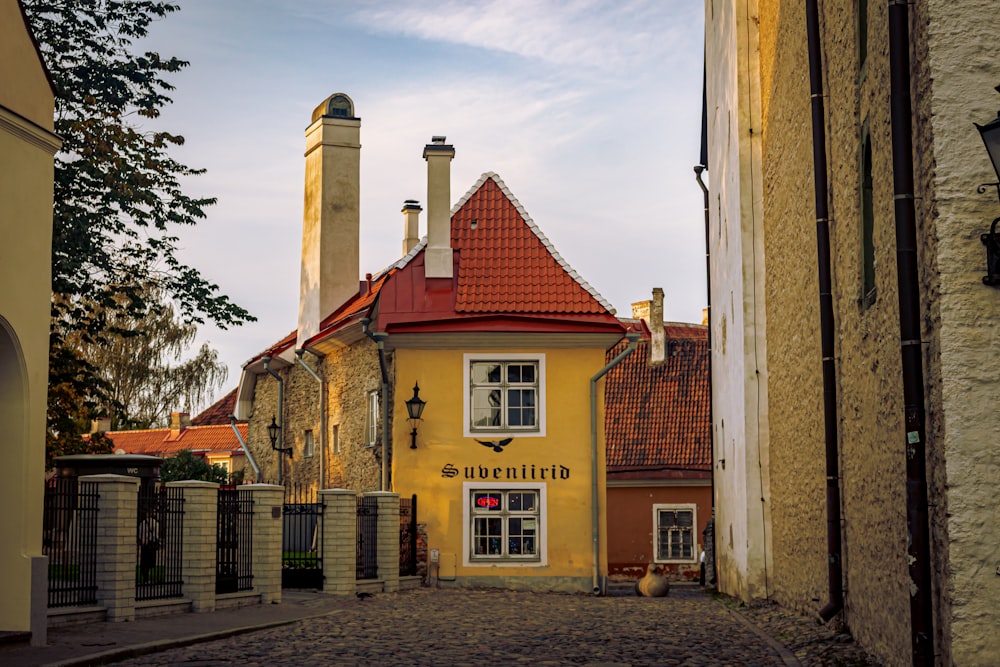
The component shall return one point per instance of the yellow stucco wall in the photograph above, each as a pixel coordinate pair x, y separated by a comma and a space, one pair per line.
445, 462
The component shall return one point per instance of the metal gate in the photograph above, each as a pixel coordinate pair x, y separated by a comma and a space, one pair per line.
408, 536
70, 541
234, 554
159, 543
367, 556
302, 539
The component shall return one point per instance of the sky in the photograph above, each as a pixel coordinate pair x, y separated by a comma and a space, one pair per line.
589, 110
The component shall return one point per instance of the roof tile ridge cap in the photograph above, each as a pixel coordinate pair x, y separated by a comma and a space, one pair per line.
475, 186
547, 243
402, 261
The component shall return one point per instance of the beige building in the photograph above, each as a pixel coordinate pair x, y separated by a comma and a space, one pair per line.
907, 557
27, 144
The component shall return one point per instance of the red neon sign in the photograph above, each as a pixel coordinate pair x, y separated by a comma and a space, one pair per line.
488, 501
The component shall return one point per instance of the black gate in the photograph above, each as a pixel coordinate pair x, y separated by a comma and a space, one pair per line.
367, 557
408, 536
302, 539
70, 541
159, 528
234, 554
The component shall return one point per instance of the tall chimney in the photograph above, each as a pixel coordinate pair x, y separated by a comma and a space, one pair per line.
657, 335
437, 256
331, 219
411, 225
180, 421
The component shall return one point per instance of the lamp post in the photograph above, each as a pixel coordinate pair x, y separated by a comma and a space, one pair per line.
415, 408
990, 132
273, 431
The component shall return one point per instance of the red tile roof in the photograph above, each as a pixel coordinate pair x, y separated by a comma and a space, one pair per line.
165, 442
657, 418
218, 413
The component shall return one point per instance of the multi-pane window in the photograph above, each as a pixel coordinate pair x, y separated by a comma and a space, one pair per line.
309, 445
505, 524
675, 525
371, 422
504, 395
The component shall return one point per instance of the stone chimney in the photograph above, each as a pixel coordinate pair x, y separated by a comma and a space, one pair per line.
657, 335
411, 225
437, 256
180, 421
331, 220
100, 425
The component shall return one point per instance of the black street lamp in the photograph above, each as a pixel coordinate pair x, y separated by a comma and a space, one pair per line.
991, 137
415, 408
273, 431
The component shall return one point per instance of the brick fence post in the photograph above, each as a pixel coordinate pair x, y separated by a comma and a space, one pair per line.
388, 539
116, 543
268, 503
340, 541
198, 540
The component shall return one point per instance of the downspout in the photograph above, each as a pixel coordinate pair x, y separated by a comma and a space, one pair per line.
379, 338
826, 321
633, 338
281, 416
918, 548
243, 446
322, 415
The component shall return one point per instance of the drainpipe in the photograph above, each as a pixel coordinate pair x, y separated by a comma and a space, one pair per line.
379, 338
918, 550
243, 446
281, 415
633, 338
322, 415
826, 321
710, 576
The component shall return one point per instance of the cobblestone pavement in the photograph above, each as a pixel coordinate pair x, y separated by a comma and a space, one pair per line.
494, 627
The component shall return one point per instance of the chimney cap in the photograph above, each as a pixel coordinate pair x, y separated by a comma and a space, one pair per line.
411, 205
337, 105
439, 147
438, 139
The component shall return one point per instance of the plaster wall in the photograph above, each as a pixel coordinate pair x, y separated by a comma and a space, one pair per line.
737, 274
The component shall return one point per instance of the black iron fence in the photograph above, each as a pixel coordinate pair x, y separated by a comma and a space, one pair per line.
70, 541
367, 556
302, 538
408, 536
234, 552
159, 543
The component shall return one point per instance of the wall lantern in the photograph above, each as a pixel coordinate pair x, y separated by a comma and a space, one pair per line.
991, 137
415, 408
273, 431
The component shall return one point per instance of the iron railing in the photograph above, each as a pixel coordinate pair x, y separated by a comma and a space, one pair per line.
234, 552
159, 543
302, 538
70, 541
408, 536
367, 555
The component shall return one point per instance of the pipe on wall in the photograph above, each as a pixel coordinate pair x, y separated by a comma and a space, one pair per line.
826, 321
918, 549
632, 338
281, 416
379, 338
322, 414
243, 446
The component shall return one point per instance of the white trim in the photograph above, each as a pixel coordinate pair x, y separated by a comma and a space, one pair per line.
467, 360
543, 553
695, 541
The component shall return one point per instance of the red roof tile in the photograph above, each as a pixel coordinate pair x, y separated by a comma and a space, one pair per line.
657, 418
219, 412
165, 442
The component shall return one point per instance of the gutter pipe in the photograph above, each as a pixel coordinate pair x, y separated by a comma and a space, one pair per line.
826, 321
379, 338
243, 446
322, 414
633, 338
281, 413
918, 550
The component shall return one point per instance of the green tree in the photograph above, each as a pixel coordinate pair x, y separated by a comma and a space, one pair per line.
118, 196
186, 465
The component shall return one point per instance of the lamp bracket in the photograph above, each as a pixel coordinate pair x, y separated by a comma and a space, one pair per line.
992, 243
986, 186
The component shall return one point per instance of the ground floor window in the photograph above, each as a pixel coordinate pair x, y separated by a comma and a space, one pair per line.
505, 523
673, 526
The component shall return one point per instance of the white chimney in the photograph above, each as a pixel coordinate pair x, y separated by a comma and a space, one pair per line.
437, 256
331, 219
180, 421
657, 335
411, 225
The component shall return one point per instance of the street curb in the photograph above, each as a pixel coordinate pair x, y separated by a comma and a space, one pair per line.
787, 656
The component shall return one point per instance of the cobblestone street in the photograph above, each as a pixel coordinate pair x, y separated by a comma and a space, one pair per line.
476, 627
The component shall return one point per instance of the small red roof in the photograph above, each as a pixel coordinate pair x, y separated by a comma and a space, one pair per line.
657, 417
219, 412
167, 442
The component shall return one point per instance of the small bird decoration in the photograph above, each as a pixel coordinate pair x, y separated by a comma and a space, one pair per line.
497, 445
653, 585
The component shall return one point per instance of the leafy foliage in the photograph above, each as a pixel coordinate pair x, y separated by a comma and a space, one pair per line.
186, 465
118, 196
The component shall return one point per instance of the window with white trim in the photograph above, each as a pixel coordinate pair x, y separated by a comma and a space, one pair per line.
505, 395
673, 533
371, 422
505, 524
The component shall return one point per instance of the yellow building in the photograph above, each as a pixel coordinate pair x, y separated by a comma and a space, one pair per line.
27, 144
489, 326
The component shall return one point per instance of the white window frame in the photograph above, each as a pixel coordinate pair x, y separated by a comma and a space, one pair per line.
537, 432
371, 418
467, 533
691, 507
